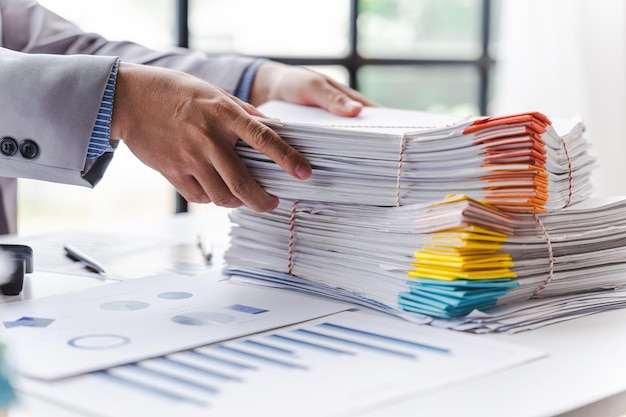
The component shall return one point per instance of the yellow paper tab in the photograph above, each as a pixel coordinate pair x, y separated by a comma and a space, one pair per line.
454, 198
451, 276
477, 229
473, 232
464, 266
456, 258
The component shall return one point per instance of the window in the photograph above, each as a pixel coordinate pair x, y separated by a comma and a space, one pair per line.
420, 54
129, 190
424, 54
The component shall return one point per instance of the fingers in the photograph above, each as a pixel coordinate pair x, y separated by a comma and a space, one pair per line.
299, 85
218, 171
351, 93
249, 108
340, 99
189, 188
207, 185
268, 142
237, 185
221, 178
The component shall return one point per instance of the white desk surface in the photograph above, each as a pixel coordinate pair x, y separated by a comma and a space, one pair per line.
584, 373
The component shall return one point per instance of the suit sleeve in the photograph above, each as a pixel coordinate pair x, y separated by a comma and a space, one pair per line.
50, 104
53, 76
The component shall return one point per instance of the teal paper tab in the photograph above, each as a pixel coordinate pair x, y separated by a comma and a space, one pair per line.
7, 395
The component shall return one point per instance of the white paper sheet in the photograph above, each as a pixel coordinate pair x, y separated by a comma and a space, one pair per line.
96, 328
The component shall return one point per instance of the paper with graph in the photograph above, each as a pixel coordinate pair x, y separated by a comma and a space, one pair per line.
108, 325
345, 362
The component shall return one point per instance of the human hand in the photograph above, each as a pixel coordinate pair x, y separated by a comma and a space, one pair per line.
186, 129
299, 85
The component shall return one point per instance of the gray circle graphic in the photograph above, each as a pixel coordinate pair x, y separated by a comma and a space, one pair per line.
124, 305
98, 341
203, 318
175, 295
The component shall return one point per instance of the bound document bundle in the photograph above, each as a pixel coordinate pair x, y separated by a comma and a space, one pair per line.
442, 260
391, 157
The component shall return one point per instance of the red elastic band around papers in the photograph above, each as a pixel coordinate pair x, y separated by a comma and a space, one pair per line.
399, 173
292, 237
543, 286
569, 174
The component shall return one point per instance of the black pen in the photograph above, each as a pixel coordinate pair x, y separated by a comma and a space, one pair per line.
79, 256
206, 254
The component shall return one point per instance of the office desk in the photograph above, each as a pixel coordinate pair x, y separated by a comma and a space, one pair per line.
584, 373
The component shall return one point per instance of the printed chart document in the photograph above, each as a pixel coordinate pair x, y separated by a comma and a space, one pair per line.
119, 323
343, 363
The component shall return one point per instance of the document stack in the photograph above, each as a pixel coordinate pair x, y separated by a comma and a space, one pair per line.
390, 157
508, 238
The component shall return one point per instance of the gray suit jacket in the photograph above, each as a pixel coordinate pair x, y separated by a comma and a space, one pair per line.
52, 78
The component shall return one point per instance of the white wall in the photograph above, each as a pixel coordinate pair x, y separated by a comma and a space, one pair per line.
568, 57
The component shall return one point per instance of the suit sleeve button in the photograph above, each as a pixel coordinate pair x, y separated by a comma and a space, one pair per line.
8, 146
29, 149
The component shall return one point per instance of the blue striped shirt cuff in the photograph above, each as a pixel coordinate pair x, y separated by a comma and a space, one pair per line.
245, 83
99, 141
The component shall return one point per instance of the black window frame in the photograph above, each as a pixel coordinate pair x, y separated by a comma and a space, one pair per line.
352, 61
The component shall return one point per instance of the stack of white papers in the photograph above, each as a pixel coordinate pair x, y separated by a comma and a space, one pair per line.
443, 260
391, 157
535, 313
517, 244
